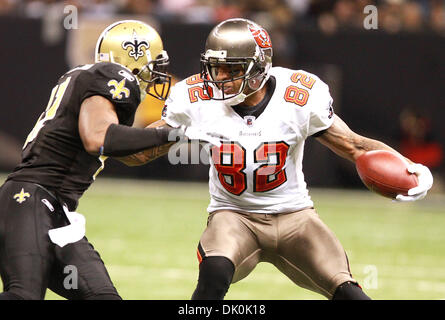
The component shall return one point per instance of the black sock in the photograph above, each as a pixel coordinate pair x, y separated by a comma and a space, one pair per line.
349, 291
215, 276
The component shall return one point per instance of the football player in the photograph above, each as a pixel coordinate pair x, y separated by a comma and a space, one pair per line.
260, 209
88, 118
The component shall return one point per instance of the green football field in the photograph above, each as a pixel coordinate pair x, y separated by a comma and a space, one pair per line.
147, 233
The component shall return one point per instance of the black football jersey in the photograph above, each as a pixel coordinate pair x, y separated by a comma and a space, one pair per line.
53, 154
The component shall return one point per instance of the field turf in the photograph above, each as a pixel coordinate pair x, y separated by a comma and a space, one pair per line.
147, 233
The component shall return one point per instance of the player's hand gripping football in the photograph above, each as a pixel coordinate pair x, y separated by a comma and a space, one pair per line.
425, 179
194, 133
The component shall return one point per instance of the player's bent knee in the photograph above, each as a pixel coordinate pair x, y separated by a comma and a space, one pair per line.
215, 276
349, 291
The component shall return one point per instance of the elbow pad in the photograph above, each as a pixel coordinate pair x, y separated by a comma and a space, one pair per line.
122, 140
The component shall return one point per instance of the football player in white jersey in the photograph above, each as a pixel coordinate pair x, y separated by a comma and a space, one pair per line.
260, 209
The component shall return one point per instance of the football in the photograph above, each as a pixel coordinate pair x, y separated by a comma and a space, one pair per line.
385, 173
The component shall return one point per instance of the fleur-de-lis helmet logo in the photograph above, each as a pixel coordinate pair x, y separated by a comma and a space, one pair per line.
136, 44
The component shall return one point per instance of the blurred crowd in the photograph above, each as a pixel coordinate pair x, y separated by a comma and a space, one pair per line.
328, 15
418, 142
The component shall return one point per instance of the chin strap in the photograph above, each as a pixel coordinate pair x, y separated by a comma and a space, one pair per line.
239, 98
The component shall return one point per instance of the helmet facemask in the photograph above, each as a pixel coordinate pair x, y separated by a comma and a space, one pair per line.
154, 75
246, 69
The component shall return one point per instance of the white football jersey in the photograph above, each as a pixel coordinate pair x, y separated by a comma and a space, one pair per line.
260, 169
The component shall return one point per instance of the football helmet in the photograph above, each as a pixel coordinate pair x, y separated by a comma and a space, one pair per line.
236, 43
138, 47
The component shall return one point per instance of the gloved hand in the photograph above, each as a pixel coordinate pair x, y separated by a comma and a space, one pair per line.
195, 133
425, 183
70, 233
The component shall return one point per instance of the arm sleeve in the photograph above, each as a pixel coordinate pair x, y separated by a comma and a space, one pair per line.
122, 140
114, 83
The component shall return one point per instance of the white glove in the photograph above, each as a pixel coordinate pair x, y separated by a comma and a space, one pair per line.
425, 183
194, 133
70, 233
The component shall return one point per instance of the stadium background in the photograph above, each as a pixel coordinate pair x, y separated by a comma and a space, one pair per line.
387, 84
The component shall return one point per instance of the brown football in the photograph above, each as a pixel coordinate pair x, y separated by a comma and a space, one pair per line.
385, 173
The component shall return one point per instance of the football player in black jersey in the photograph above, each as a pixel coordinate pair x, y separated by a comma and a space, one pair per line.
88, 118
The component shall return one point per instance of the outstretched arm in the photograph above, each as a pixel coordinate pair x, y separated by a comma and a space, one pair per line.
150, 154
348, 144
101, 133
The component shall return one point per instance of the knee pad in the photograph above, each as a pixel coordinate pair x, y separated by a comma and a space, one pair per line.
215, 276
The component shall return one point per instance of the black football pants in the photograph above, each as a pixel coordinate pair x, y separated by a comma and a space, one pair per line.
30, 263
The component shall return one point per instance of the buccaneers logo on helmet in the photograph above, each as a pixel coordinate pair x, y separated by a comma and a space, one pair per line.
261, 36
